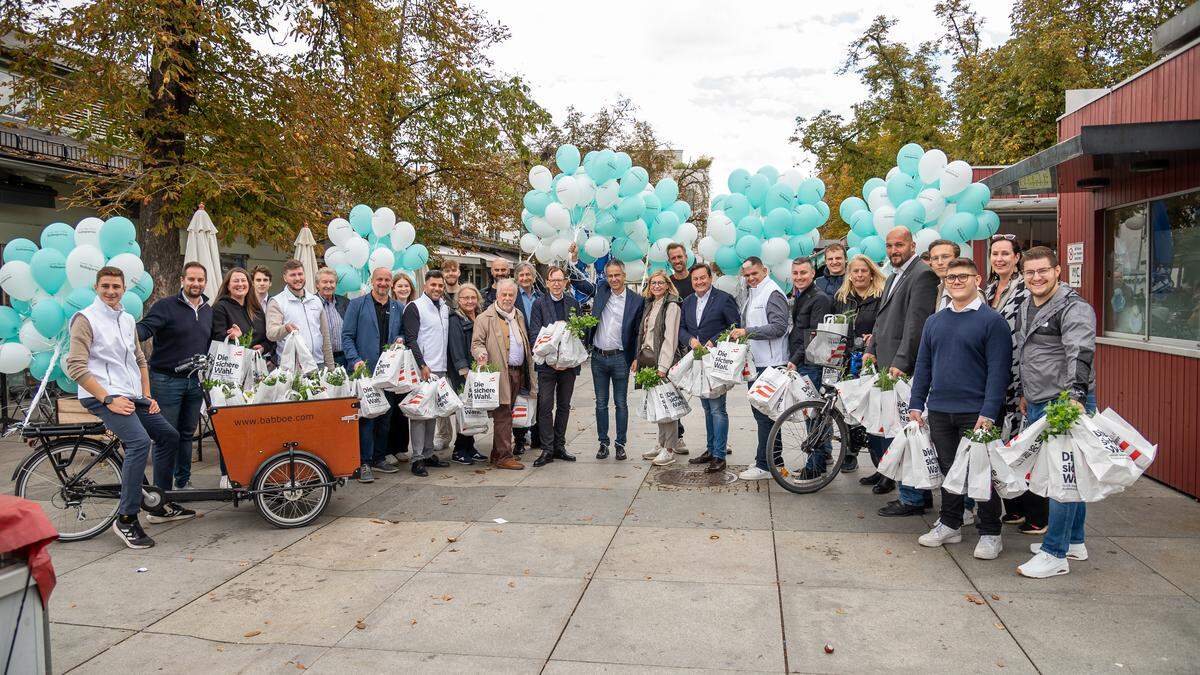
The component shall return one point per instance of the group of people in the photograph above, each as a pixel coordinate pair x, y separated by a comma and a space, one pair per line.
977, 354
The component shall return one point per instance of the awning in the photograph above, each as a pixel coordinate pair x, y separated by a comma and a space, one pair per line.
1023, 204
468, 257
1105, 139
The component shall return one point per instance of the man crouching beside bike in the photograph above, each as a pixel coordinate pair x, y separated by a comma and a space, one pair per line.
107, 363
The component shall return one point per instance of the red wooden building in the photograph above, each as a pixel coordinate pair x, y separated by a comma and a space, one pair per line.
1127, 168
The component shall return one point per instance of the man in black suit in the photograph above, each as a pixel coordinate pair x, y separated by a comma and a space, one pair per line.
908, 300
707, 312
614, 346
555, 385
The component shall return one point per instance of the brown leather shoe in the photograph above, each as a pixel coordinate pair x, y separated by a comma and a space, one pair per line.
715, 466
509, 463
702, 459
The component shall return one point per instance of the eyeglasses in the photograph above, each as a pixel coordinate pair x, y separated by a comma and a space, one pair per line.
658, 282
958, 278
1006, 237
1040, 272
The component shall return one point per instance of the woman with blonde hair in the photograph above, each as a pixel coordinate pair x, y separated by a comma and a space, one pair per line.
402, 292
461, 328
658, 345
859, 298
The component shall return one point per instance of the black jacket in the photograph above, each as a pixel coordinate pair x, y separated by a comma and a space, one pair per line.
808, 308
227, 312
545, 312
864, 311
458, 346
179, 332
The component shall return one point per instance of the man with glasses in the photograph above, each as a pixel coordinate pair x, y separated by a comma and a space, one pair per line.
527, 294
705, 314
555, 385
963, 368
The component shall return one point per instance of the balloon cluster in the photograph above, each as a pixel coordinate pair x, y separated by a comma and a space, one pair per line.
605, 206
47, 284
370, 240
768, 215
933, 198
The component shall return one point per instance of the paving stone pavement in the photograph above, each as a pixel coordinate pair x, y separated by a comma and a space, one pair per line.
601, 569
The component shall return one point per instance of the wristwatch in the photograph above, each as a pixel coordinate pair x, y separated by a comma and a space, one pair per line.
109, 399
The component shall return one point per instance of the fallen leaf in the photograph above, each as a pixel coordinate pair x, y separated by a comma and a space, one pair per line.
267, 622
447, 598
451, 539
480, 471
72, 605
360, 624
412, 622
512, 584
887, 551
860, 515
839, 611
381, 550
999, 626
220, 648
252, 633
1000, 664
378, 521
995, 597
301, 666
454, 550
525, 571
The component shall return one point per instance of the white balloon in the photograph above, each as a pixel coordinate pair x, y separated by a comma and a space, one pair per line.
781, 271
884, 218
357, 251
727, 283
381, 257
14, 357
708, 247
335, 256
339, 231
87, 232
403, 235
588, 219
878, 198
540, 178
558, 216
82, 264
891, 172
955, 177
541, 228
686, 234
775, 251
561, 248
635, 270
791, 178
131, 265
608, 193
383, 221
638, 232
924, 238
586, 188
32, 339
16, 278
930, 166
567, 192
543, 253
658, 252
530, 242
721, 229
596, 246
947, 212
933, 201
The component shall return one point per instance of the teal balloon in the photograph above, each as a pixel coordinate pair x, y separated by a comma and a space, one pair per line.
718, 203
144, 287
960, 227
49, 269
779, 196
681, 209
636, 230
39, 364
415, 256
811, 191
757, 191
633, 181
776, 223
989, 224
134, 248
19, 249
10, 324
567, 158
625, 250
133, 305
823, 209
667, 191
748, 246
60, 236
973, 198
360, 219
911, 214
851, 206
66, 384
737, 207
658, 265
750, 226
801, 245
853, 251
665, 225
739, 181
863, 223
21, 306
536, 202
80, 299
909, 157
870, 185
853, 239
348, 279
48, 317
807, 218
653, 204
727, 259
115, 236
631, 208
607, 225
902, 187
770, 172
585, 257
874, 248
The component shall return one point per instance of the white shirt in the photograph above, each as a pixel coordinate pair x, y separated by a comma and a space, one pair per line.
608, 333
701, 301
971, 306
899, 273
944, 300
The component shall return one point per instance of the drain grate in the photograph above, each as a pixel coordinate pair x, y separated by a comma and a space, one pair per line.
694, 478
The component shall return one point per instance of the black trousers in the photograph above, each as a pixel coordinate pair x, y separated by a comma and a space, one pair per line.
555, 388
397, 429
946, 430
535, 438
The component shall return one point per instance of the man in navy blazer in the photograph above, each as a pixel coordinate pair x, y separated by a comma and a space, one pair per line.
706, 313
372, 322
555, 385
614, 347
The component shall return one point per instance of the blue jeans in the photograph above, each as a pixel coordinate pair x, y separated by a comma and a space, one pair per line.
180, 399
764, 430
1065, 524
818, 459
716, 425
612, 369
136, 432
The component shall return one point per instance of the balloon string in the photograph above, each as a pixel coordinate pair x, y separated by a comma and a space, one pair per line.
40, 391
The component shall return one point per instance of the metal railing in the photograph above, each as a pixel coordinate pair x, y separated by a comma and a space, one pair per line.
49, 150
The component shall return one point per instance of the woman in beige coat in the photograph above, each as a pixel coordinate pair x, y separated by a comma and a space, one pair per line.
499, 339
658, 343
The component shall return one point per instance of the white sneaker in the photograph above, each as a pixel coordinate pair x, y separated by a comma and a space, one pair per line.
224, 484
1043, 566
754, 473
664, 458
989, 547
968, 517
1074, 551
940, 534
651, 454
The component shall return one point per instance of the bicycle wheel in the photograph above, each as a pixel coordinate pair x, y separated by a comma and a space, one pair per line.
797, 437
286, 503
76, 513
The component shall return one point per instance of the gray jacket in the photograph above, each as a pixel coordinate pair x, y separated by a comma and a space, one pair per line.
902, 316
1056, 350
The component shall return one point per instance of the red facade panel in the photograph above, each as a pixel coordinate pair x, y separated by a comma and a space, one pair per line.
1167, 93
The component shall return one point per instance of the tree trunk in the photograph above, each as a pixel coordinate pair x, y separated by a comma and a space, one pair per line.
160, 250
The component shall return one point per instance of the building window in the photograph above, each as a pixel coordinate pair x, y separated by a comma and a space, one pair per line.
1152, 269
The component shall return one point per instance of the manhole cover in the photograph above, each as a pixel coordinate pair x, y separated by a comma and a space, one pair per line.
695, 478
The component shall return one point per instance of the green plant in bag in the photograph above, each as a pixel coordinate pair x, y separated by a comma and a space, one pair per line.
246, 339
336, 377
984, 436
1061, 415
360, 372
886, 382
699, 352
647, 378
578, 324
484, 367
724, 337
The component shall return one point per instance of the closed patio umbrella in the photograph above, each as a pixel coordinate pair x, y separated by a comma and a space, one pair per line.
201, 247
306, 253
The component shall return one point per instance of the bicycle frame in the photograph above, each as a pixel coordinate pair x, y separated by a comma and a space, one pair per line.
70, 485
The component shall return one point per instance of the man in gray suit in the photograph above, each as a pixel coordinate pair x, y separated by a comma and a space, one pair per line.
908, 300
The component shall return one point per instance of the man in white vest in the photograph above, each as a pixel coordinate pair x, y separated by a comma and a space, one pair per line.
426, 332
107, 362
295, 310
765, 317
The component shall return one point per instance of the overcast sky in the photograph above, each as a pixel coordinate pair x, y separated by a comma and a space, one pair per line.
726, 79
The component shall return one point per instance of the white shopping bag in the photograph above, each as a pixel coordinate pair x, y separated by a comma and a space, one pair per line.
827, 344
227, 362
545, 345
296, 355
256, 369
766, 393
274, 388
421, 402
971, 472
446, 401
389, 371
664, 403
680, 374
371, 401
703, 384
482, 390
471, 421
216, 396
854, 395
729, 362
571, 352
891, 465
1006, 482
524, 412
1115, 451
1020, 453
921, 468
